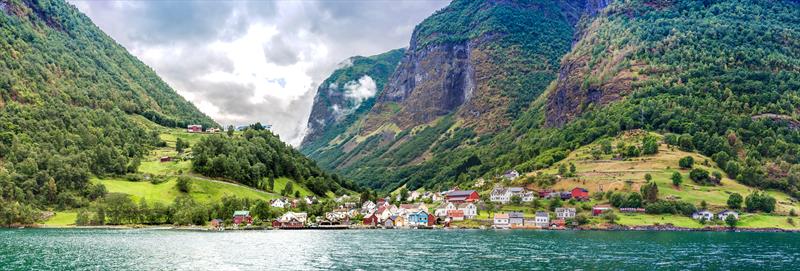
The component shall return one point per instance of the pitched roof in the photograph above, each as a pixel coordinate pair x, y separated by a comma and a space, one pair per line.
460, 193
241, 213
542, 214
496, 216
515, 215
464, 205
581, 188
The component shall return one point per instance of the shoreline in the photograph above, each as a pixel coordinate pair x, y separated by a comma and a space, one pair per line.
661, 228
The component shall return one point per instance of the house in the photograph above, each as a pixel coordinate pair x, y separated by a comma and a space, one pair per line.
279, 203
580, 194
515, 219
469, 209
213, 130
460, 196
600, 209
217, 224
194, 128
564, 213
724, 215
240, 217
302, 217
511, 175
414, 195
368, 206
370, 220
544, 193
389, 222
342, 198
441, 210
165, 159
703, 214
501, 220
558, 224
542, 219
566, 195
503, 195
420, 218
455, 215
553, 195
291, 220
528, 196
631, 210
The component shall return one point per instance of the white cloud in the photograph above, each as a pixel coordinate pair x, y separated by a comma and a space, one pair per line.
242, 62
360, 90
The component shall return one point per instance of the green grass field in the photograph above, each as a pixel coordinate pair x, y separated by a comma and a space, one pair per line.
61, 219
165, 193
280, 184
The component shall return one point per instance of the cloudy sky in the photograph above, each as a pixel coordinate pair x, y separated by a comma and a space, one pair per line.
247, 61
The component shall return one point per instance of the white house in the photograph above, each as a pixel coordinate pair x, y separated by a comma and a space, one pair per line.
501, 220
414, 195
564, 213
288, 216
368, 206
503, 194
542, 219
469, 209
279, 203
441, 210
511, 175
724, 214
703, 214
516, 219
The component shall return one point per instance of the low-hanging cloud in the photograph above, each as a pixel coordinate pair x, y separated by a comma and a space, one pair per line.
247, 61
360, 90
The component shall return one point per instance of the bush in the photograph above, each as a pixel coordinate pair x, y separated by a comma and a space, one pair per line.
677, 179
686, 162
701, 176
735, 201
184, 184
758, 201
670, 207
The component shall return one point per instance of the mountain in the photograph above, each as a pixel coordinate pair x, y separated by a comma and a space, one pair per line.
76, 105
347, 95
489, 86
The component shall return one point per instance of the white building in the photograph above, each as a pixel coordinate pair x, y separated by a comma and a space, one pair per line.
542, 219
469, 209
564, 213
703, 214
724, 215
504, 194
501, 221
279, 203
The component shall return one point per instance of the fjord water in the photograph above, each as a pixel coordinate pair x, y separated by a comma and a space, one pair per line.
77, 249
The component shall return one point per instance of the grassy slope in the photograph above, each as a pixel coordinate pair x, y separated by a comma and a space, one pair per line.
202, 190
628, 175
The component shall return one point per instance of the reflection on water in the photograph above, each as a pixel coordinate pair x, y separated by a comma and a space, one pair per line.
69, 249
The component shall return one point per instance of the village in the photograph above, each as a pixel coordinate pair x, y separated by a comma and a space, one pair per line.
500, 209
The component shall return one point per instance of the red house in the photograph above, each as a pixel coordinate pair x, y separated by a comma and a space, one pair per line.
194, 128
600, 209
371, 220
240, 217
431, 220
545, 192
461, 196
580, 193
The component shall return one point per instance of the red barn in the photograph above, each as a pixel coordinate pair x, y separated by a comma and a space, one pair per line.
371, 220
194, 128
600, 209
461, 196
240, 217
431, 220
580, 193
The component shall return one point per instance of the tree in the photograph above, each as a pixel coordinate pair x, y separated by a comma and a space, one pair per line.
184, 184
562, 170
516, 199
648, 177
230, 130
649, 145
181, 145
650, 192
677, 179
611, 217
365, 196
555, 203
731, 221
403, 194
758, 201
703, 205
735, 201
686, 162
581, 219
288, 189
732, 168
572, 170
699, 176
52, 190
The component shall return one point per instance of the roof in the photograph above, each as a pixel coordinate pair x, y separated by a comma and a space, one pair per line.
515, 215
458, 198
464, 205
496, 216
565, 209
581, 189
516, 189
602, 207
460, 193
241, 213
542, 214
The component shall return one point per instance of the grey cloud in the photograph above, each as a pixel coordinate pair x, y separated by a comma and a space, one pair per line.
185, 28
278, 52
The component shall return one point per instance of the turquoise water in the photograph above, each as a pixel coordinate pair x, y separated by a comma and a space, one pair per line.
80, 249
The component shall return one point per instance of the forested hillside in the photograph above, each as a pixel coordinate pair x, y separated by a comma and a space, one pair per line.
75, 105
718, 77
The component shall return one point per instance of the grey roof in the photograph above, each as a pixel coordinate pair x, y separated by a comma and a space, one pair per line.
515, 215
542, 213
460, 193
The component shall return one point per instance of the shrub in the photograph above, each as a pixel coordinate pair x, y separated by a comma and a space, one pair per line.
686, 162
758, 201
670, 207
184, 184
